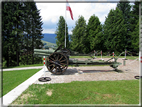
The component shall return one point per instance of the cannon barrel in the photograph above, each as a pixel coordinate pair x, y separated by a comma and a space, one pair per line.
41, 53
44, 51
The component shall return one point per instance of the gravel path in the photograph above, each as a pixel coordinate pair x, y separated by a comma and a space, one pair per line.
95, 73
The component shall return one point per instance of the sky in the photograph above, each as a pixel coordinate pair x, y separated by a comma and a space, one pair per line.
50, 13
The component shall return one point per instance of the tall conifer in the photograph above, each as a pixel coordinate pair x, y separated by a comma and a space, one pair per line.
79, 36
60, 32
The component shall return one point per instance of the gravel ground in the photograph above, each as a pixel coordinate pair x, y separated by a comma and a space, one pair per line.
95, 73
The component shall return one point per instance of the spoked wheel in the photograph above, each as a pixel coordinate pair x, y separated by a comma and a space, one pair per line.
57, 63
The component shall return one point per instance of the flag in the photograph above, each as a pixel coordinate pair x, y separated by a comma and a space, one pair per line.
69, 9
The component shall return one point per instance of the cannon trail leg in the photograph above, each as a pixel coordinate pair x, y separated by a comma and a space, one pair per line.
57, 63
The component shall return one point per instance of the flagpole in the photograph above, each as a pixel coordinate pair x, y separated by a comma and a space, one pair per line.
65, 25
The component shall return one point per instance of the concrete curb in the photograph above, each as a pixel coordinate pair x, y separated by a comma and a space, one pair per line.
13, 94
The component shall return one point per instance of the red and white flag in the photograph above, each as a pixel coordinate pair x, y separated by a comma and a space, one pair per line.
69, 9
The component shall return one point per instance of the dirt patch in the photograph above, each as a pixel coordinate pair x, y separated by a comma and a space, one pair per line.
23, 98
49, 92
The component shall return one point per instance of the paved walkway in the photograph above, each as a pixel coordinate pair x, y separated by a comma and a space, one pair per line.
13, 69
13, 94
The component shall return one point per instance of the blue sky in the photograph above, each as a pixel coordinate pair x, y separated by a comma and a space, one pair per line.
50, 13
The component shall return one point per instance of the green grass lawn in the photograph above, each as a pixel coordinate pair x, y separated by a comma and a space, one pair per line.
82, 92
11, 79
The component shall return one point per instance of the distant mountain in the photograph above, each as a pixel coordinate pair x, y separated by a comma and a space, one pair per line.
50, 37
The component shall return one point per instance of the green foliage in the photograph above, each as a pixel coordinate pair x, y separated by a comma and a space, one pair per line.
114, 31
135, 38
82, 92
78, 37
21, 29
94, 34
125, 7
60, 32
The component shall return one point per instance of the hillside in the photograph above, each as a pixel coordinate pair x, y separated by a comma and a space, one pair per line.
48, 43
49, 38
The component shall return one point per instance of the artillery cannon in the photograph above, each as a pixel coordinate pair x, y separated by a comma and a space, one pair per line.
57, 61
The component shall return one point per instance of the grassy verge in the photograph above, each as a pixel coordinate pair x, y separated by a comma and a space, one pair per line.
84, 92
11, 79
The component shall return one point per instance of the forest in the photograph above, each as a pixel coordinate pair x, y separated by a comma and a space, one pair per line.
119, 32
22, 32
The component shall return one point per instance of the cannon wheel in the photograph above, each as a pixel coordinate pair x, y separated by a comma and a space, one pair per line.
57, 63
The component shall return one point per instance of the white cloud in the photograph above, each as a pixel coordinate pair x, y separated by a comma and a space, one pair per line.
51, 12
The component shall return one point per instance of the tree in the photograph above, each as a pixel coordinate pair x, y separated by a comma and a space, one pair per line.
60, 32
36, 28
21, 24
135, 38
134, 16
79, 36
134, 19
125, 7
114, 31
94, 37
12, 29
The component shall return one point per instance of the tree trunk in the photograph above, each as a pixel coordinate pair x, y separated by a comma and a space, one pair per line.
17, 55
7, 58
32, 51
27, 50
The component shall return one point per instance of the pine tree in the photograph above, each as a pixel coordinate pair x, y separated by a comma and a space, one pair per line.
36, 28
114, 31
135, 38
125, 7
60, 32
6, 29
134, 15
12, 29
21, 25
134, 19
94, 37
79, 36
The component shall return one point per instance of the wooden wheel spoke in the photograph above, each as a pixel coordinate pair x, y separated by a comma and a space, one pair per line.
51, 65
60, 58
60, 69
63, 67
63, 60
52, 68
57, 63
63, 64
56, 70
55, 56
51, 59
